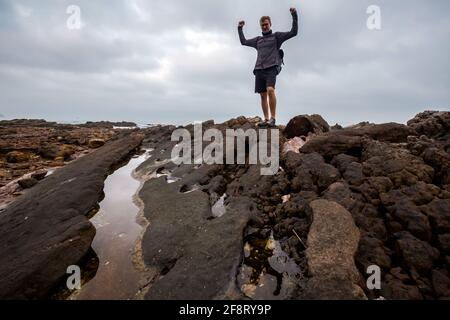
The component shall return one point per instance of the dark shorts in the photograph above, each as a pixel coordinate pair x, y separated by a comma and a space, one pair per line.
265, 78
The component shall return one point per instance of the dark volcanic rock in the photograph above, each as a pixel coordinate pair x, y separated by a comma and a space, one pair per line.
417, 255
27, 182
183, 239
397, 163
441, 283
435, 154
444, 242
108, 124
27, 123
388, 132
371, 251
395, 183
53, 151
350, 141
46, 230
96, 143
332, 144
17, 156
431, 123
395, 289
305, 124
439, 213
39, 175
410, 216
310, 172
386, 186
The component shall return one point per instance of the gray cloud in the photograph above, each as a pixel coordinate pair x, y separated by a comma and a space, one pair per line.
181, 61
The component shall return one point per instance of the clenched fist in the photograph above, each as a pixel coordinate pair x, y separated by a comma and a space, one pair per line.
293, 10
241, 24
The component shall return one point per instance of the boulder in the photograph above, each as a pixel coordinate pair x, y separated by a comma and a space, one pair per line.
39, 175
371, 251
96, 143
438, 211
441, 283
310, 172
417, 255
413, 220
395, 289
342, 161
26, 183
48, 151
331, 246
396, 163
444, 242
374, 187
305, 124
333, 144
388, 132
17, 157
431, 123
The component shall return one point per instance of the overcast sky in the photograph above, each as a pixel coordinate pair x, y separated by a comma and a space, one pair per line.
178, 61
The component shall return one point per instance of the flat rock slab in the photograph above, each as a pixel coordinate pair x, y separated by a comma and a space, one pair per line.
196, 255
46, 230
331, 246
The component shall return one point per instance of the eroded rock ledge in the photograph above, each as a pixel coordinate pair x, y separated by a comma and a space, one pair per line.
347, 199
388, 183
47, 229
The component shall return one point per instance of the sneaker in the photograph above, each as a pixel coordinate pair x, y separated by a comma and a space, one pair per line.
263, 123
272, 123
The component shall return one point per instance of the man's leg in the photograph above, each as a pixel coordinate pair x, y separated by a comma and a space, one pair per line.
265, 105
272, 102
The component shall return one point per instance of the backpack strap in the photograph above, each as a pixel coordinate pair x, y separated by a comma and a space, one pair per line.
280, 51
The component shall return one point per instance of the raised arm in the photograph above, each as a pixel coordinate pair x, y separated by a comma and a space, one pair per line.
249, 43
283, 36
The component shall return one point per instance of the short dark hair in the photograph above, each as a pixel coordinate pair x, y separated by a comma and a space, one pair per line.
263, 18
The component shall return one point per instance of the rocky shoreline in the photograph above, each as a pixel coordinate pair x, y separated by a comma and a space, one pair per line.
29, 149
344, 199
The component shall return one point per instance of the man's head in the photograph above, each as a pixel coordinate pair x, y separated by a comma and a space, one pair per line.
265, 23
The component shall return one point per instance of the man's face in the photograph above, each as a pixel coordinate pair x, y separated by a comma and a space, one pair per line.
265, 25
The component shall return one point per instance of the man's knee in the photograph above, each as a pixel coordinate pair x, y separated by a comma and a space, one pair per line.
271, 91
263, 95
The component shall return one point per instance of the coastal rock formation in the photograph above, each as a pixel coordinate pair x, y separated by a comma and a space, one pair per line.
27, 146
332, 243
47, 229
342, 201
304, 125
395, 184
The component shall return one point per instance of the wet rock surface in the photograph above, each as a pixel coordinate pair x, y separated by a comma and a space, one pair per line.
47, 229
343, 199
28, 146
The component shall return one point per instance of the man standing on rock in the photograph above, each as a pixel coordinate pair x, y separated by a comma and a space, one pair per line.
268, 62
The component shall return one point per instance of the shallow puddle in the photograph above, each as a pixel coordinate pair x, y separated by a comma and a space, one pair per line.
267, 272
114, 242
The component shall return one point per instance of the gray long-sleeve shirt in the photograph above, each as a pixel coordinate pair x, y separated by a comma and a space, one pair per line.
268, 45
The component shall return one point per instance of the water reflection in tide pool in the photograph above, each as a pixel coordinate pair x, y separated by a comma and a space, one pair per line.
114, 242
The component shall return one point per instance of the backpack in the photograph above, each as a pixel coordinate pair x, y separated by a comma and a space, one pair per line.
281, 53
